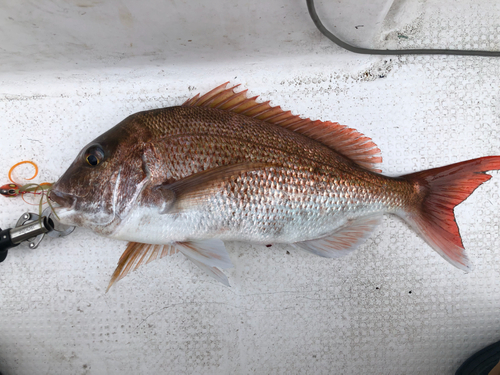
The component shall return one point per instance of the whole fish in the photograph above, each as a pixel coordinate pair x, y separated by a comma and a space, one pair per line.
224, 167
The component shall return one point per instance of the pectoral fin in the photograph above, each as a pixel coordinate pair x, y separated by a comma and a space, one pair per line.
197, 188
344, 240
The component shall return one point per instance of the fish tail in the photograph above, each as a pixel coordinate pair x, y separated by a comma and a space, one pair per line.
438, 191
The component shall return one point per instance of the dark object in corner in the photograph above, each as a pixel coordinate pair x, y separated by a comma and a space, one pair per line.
482, 362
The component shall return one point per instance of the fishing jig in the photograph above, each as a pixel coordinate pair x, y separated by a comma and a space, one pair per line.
13, 189
30, 227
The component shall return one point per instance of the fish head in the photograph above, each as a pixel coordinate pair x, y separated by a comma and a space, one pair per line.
102, 183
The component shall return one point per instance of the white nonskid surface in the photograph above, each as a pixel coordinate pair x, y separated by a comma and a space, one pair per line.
394, 306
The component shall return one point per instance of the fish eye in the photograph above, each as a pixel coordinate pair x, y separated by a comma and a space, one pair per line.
94, 155
92, 160
12, 192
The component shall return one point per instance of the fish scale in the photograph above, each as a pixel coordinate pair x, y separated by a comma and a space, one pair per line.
305, 210
222, 129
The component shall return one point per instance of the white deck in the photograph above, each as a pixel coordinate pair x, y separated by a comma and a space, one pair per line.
72, 69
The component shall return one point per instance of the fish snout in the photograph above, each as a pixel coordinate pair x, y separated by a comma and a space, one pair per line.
63, 199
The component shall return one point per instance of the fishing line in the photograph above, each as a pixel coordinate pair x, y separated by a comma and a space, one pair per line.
370, 51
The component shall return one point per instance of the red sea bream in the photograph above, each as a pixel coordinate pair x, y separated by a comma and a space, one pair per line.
223, 167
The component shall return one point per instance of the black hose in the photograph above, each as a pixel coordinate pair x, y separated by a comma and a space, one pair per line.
370, 51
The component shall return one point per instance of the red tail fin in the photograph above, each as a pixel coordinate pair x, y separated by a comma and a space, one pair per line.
440, 190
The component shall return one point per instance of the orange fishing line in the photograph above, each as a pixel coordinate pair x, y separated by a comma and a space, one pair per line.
18, 164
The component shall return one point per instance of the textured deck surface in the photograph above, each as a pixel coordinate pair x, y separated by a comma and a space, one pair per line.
73, 69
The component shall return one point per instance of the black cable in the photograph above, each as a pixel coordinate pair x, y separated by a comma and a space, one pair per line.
369, 51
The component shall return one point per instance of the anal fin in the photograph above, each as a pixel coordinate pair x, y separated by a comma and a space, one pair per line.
344, 240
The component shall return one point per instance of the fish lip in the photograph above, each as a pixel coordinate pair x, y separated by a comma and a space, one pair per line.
64, 200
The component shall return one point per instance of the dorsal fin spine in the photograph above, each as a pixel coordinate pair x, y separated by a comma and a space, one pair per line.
268, 115
282, 118
290, 122
224, 102
244, 106
229, 106
250, 111
192, 100
217, 100
273, 116
205, 98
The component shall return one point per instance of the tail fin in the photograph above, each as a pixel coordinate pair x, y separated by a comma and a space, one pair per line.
439, 191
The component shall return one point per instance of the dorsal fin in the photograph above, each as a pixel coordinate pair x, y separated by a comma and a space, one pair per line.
137, 254
346, 141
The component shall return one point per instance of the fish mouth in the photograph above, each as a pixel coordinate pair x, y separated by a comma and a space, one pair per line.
64, 200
